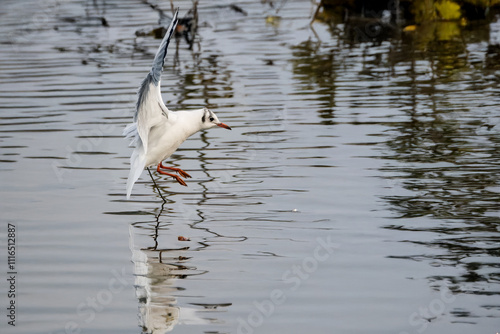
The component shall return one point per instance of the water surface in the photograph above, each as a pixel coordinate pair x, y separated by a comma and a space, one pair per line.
358, 190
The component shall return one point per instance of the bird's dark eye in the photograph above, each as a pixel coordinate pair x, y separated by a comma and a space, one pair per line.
211, 119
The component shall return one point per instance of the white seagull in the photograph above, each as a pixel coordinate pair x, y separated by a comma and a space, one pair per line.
157, 132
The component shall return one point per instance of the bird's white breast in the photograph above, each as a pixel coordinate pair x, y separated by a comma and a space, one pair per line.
166, 137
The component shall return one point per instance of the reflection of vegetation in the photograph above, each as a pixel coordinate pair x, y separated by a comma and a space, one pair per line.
443, 42
316, 70
425, 11
417, 11
442, 152
434, 29
449, 182
379, 20
205, 79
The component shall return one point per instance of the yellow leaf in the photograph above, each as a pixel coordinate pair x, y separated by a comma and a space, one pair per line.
410, 28
273, 20
448, 10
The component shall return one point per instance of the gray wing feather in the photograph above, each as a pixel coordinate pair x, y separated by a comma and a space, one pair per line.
162, 50
154, 75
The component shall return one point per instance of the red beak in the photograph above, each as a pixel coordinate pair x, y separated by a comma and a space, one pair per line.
222, 125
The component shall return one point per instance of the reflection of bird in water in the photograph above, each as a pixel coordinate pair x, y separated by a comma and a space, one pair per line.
154, 290
155, 286
157, 132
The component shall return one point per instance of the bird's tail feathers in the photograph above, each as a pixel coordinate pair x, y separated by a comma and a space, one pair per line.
137, 165
130, 132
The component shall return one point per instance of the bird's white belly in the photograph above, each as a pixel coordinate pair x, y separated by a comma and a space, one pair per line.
158, 154
161, 146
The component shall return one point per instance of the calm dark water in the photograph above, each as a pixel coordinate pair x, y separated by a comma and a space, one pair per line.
358, 191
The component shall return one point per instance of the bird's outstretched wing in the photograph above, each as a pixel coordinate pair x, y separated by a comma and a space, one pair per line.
150, 108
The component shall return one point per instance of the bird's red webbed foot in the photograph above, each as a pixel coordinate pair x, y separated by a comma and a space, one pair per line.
178, 170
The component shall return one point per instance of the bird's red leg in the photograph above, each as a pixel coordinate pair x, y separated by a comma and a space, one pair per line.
178, 170
181, 181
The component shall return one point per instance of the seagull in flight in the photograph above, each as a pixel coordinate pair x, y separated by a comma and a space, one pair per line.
157, 132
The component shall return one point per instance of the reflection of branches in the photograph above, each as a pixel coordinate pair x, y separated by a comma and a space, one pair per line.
279, 7
317, 71
187, 26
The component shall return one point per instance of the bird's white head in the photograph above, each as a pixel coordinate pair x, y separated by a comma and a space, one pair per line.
209, 120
